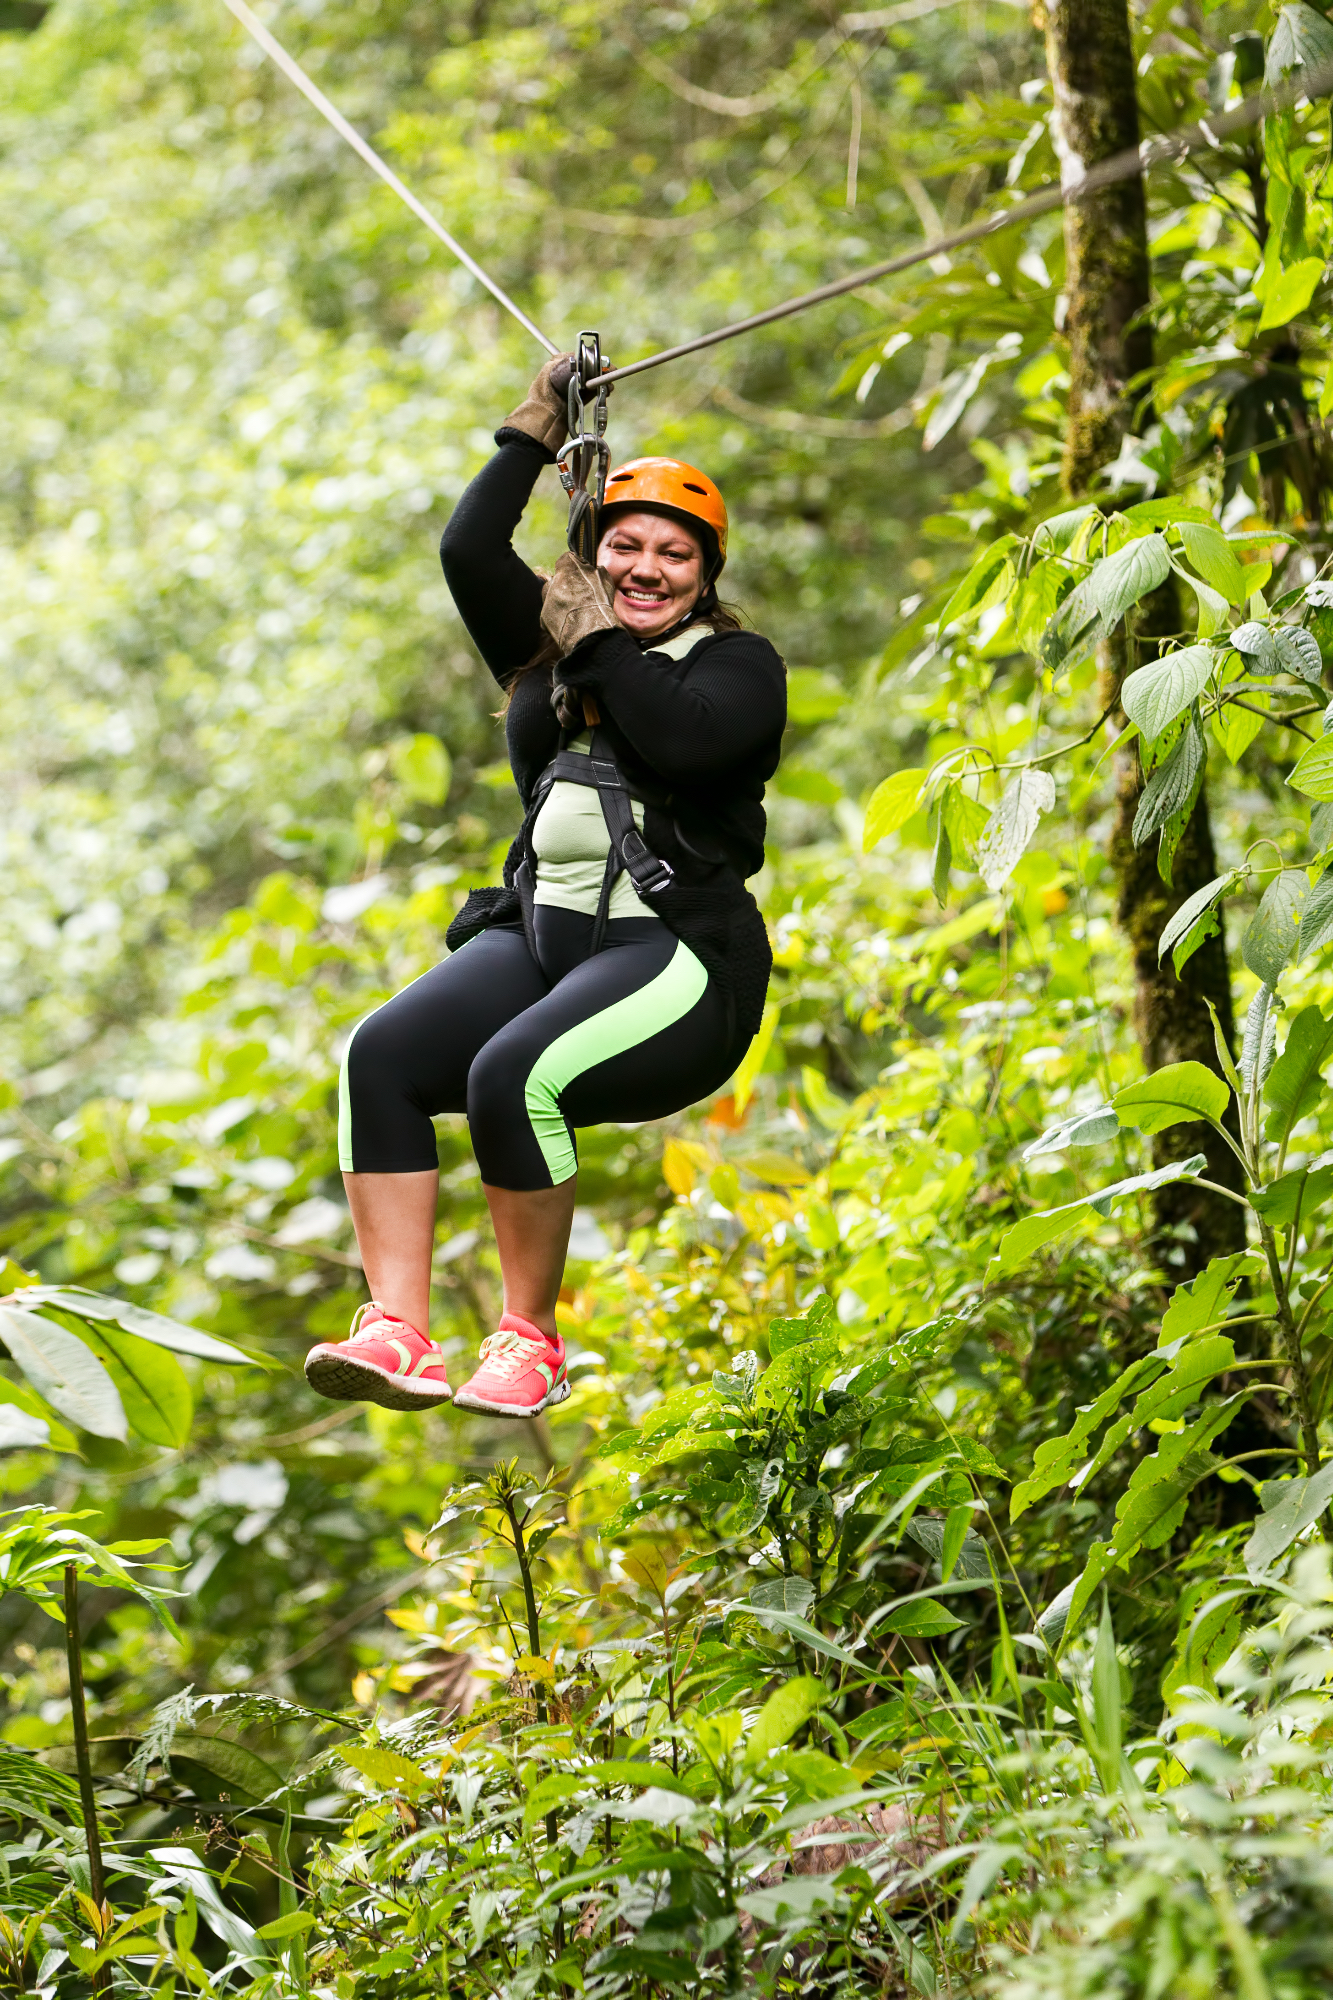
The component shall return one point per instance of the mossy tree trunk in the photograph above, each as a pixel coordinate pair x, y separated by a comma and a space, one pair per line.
1090, 58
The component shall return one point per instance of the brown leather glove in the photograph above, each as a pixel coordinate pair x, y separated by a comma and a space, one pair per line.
576, 602
544, 412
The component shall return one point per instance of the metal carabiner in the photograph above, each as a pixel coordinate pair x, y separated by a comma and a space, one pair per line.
587, 449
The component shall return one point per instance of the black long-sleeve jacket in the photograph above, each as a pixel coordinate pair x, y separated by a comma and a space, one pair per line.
698, 737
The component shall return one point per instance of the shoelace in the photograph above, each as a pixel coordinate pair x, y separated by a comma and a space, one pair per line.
507, 1352
373, 1328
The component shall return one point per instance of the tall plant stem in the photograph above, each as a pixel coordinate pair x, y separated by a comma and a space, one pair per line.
1291, 1341
79, 1713
535, 1645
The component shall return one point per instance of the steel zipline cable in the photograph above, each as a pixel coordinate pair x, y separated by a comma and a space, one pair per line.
1207, 135
292, 69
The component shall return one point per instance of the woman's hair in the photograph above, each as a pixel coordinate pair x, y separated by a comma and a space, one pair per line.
707, 606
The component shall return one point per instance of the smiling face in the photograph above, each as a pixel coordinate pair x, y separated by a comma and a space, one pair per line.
656, 567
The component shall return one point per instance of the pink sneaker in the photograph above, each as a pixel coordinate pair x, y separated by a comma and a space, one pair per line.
521, 1373
383, 1360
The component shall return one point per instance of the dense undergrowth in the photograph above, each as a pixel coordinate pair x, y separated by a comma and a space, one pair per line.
923, 1590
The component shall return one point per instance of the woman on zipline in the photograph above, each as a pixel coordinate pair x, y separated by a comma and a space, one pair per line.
621, 971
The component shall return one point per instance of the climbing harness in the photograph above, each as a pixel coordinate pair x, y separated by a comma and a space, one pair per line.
628, 852
587, 449
1312, 81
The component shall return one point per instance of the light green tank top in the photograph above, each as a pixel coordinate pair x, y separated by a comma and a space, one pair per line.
569, 837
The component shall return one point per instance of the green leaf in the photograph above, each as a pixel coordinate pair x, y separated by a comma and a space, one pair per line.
923, 1619
892, 804
1034, 1231
1290, 292
970, 595
291, 1925
154, 1388
1271, 936
784, 1593
1012, 824
799, 781
786, 1621
784, 1334
421, 765
1171, 1096
1085, 1128
233, 1764
387, 1769
1236, 728
1299, 653
1119, 581
64, 1373
1106, 1705
157, 1327
786, 1709
942, 858
1203, 1300
1055, 1459
1312, 772
1316, 927
1191, 909
1301, 38
1302, 1192
1215, 559
1296, 1084
1297, 1506
1173, 786
1256, 642
1153, 696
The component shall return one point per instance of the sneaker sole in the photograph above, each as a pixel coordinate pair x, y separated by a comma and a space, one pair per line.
478, 1404
346, 1381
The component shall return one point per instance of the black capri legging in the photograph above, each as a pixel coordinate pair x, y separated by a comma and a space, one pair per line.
532, 1047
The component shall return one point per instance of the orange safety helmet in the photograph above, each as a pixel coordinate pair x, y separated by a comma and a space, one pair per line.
669, 486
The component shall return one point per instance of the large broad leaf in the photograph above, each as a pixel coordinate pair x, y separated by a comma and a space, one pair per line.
1215, 559
1313, 770
1192, 907
784, 1593
1302, 39
1153, 696
1298, 1503
163, 1332
21, 1432
1055, 1459
1012, 825
1122, 579
924, 1619
1270, 938
154, 1388
1316, 928
1171, 1096
892, 804
1296, 1084
1202, 1301
1302, 1193
1035, 1231
64, 1373
783, 1714
239, 1769
1256, 642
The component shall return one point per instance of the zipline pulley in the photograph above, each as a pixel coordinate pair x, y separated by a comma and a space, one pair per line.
587, 452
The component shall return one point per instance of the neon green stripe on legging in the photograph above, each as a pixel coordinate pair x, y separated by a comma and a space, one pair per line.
623, 1026
345, 1160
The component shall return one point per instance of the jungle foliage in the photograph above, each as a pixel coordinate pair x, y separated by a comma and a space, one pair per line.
925, 1589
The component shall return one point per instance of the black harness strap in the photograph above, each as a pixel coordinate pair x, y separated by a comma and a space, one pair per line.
628, 852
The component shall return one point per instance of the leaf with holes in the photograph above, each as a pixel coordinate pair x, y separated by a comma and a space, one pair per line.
1296, 1082
1122, 579
1153, 696
1171, 1096
64, 1373
1271, 935
1012, 825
